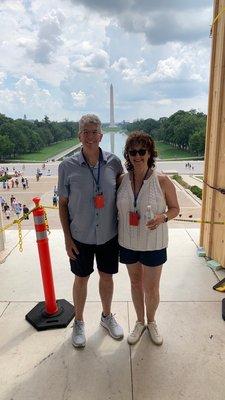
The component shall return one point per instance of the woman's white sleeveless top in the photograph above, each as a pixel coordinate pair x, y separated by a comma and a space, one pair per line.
140, 237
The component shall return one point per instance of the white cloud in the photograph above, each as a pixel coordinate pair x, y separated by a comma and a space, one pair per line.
2, 77
79, 98
160, 21
121, 65
95, 61
64, 56
49, 37
164, 102
27, 98
183, 65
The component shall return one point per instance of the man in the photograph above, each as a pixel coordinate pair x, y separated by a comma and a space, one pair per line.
87, 209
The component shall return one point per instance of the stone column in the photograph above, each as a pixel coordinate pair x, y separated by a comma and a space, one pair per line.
112, 120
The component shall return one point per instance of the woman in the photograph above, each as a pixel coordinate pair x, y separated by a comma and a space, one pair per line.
143, 237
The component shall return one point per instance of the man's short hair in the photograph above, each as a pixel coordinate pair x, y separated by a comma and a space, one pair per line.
89, 119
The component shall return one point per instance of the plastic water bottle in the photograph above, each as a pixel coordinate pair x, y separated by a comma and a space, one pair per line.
149, 214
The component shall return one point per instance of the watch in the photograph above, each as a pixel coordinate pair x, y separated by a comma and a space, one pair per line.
165, 217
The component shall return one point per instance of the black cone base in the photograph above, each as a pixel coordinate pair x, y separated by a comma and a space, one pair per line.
223, 309
41, 321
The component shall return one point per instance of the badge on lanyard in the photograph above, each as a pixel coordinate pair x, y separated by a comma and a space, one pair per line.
134, 216
99, 199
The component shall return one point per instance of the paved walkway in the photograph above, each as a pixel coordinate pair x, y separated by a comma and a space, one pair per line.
192, 180
44, 365
37, 365
65, 152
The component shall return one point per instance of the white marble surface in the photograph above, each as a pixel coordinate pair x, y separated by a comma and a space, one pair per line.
190, 363
44, 365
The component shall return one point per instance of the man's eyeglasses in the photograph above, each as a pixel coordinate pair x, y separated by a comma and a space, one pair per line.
94, 133
134, 152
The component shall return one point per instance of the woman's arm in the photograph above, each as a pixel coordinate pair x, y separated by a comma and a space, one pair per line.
173, 208
169, 191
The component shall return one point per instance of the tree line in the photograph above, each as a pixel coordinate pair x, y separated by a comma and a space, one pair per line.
22, 136
183, 129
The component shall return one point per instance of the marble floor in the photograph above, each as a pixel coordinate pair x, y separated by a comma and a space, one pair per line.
44, 365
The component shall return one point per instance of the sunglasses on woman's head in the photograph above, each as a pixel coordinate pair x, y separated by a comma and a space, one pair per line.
134, 152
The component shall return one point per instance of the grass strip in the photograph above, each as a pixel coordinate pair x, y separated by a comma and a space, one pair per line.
49, 151
194, 189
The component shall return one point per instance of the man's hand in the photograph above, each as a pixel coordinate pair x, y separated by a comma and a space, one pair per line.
71, 248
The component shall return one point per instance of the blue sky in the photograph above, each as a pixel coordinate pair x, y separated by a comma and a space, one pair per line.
58, 57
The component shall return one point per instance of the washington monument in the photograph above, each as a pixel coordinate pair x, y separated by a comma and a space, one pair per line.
112, 120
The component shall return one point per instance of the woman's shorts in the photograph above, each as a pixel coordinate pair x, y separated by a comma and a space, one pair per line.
149, 258
107, 258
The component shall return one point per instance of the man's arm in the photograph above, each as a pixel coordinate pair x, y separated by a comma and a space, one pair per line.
71, 248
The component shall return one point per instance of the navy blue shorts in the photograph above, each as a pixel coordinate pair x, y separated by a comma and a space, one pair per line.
150, 258
107, 258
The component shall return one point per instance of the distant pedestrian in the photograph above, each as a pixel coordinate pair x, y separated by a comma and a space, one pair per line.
23, 181
13, 204
16, 182
18, 209
8, 213
2, 201
39, 172
55, 200
25, 212
5, 207
12, 198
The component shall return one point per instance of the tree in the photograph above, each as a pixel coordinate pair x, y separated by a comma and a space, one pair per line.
6, 148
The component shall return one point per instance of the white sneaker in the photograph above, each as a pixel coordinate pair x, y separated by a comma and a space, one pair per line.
114, 329
78, 335
135, 335
154, 333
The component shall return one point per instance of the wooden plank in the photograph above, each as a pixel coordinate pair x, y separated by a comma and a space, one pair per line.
212, 237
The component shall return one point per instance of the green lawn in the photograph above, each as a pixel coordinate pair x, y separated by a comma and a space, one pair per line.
111, 129
165, 151
49, 152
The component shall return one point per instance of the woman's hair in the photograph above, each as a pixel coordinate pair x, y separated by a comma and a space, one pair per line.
89, 119
143, 139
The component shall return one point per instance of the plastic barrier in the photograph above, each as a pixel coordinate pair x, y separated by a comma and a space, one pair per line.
50, 314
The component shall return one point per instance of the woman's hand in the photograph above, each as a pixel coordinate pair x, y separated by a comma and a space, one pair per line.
156, 221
